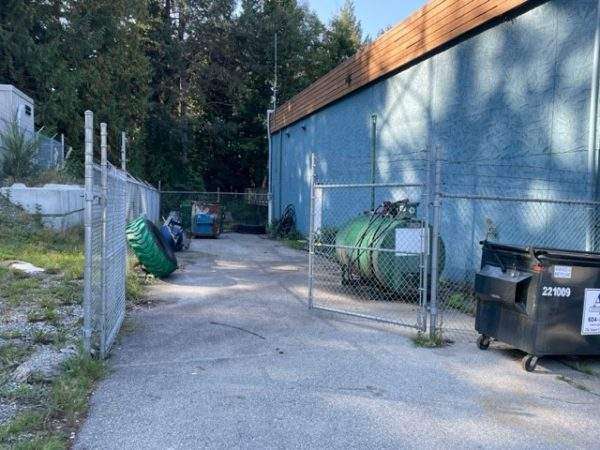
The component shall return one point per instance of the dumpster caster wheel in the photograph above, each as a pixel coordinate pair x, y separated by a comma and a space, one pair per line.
483, 342
529, 363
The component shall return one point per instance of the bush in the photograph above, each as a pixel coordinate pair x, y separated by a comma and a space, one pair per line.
18, 152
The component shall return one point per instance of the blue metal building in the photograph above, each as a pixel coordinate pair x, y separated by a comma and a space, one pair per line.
507, 105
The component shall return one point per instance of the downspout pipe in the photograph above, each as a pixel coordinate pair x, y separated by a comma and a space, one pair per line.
270, 113
593, 134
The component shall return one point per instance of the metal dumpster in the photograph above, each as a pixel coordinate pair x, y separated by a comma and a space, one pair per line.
542, 301
206, 220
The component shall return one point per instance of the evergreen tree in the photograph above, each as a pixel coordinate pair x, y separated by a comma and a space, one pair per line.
189, 80
342, 39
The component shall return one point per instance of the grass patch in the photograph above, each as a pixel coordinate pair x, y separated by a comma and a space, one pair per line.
23, 238
135, 283
44, 337
13, 334
44, 443
464, 303
55, 252
65, 401
424, 340
23, 392
12, 355
71, 390
26, 422
17, 290
67, 293
43, 314
296, 244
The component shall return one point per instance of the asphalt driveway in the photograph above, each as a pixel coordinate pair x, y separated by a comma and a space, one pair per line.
230, 357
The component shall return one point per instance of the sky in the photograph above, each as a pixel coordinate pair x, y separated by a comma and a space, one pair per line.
374, 15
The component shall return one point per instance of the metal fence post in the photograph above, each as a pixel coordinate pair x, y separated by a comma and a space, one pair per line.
437, 204
103, 258
62, 148
159, 198
123, 151
88, 217
311, 231
426, 245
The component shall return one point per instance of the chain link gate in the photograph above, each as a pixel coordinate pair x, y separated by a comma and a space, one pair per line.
369, 247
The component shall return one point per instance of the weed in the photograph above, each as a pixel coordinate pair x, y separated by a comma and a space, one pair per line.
19, 290
43, 314
67, 293
11, 355
24, 392
461, 302
296, 244
43, 443
28, 421
128, 327
426, 341
70, 391
11, 334
573, 383
44, 338
133, 287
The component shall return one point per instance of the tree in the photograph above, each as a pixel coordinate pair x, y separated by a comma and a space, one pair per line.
343, 37
189, 80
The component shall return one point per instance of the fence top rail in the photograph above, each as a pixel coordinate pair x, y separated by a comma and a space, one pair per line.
132, 179
265, 194
520, 199
129, 178
365, 185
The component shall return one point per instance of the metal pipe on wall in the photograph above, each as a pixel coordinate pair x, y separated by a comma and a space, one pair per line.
593, 133
373, 157
269, 171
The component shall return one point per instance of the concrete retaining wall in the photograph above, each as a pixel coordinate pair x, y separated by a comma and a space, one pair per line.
60, 206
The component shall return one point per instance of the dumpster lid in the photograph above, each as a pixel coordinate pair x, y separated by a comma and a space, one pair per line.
547, 254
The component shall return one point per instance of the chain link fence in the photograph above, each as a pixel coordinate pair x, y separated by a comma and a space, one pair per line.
112, 197
467, 220
369, 246
239, 211
370, 258
50, 152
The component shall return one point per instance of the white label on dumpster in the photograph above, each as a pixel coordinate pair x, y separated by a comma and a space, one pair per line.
591, 312
563, 271
410, 241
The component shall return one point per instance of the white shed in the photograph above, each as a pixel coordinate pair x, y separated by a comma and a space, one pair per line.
14, 102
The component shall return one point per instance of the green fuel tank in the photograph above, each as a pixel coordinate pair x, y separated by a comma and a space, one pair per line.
366, 246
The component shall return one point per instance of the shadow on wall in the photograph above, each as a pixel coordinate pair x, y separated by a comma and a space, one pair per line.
508, 110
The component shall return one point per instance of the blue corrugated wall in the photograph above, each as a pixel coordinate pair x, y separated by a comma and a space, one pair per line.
513, 100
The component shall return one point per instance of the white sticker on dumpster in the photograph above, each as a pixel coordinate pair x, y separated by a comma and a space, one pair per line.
590, 324
563, 271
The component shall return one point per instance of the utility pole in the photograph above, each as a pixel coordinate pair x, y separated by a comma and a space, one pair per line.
275, 50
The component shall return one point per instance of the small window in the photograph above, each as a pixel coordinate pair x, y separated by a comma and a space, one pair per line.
28, 110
